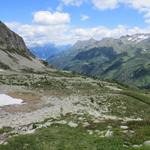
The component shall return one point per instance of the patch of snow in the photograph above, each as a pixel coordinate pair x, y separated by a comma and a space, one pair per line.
138, 38
144, 50
129, 39
7, 100
143, 37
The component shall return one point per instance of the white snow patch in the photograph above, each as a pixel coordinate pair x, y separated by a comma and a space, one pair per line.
7, 100
138, 38
130, 39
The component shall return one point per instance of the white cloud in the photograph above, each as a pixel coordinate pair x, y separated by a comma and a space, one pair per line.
105, 4
143, 6
70, 3
100, 4
103, 32
46, 17
84, 17
36, 34
138, 4
73, 2
47, 27
40, 34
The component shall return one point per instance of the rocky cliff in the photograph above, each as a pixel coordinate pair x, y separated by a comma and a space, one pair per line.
14, 54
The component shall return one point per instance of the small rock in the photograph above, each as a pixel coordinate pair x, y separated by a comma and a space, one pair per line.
96, 121
5, 143
28, 132
80, 118
137, 146
90, 132
124, 145
125, 131
124, 127
109, 133
85, 124
97, 131
109, 127
39, 126
47, 124
61, 122
30, 127
131, 131
72, 124
147, 143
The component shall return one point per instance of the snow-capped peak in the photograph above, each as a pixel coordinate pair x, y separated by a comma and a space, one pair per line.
138, 37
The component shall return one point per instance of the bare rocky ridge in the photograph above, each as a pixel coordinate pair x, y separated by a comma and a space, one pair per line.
14, 54
11, 41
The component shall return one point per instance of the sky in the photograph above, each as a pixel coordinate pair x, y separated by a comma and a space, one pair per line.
64, 22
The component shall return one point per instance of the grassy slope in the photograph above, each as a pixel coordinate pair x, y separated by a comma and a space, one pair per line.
62, 137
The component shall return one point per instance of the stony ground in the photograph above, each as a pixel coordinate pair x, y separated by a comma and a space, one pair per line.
63, 98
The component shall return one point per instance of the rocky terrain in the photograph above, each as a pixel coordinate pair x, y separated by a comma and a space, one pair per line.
62, 98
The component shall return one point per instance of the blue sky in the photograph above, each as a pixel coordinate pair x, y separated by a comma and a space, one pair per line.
66, 21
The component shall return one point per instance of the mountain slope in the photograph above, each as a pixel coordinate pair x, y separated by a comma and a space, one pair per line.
14, 54
125, 59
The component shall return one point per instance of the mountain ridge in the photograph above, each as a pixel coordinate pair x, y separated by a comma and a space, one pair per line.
130, 54
14, 54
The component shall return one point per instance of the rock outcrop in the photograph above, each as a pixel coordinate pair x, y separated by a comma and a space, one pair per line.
11, 41
14, 55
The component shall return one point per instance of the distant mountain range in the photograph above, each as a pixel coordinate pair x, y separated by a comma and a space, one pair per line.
48, 50
126, 59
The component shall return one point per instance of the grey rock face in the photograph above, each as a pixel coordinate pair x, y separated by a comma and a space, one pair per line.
14, 55
11, 41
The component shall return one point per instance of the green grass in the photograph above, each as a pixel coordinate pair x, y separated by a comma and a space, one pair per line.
137, 95
142, 131
62, 138
5, 130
